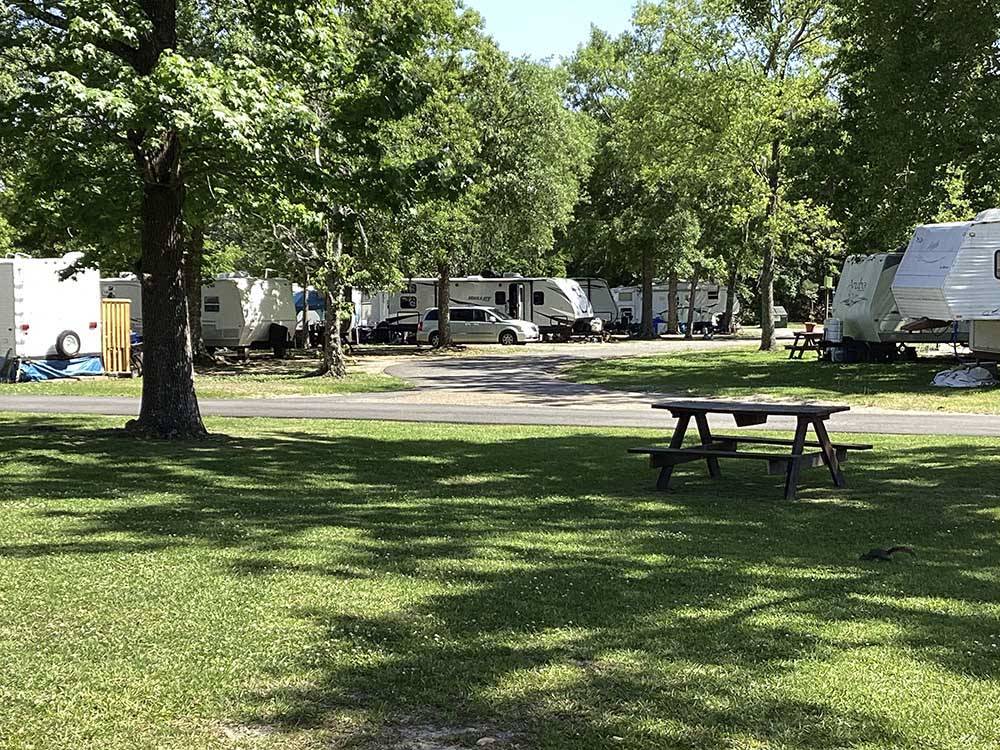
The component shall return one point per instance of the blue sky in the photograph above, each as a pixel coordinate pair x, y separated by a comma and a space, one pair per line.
543, 28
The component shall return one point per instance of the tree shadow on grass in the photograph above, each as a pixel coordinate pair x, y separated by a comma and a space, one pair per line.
580, 605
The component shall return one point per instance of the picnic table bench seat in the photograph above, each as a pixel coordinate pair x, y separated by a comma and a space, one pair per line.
712, 447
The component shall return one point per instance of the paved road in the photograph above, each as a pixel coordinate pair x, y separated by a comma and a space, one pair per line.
508, 388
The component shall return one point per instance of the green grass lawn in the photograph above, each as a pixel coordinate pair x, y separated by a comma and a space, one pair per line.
738, 374
399, 586
248, 385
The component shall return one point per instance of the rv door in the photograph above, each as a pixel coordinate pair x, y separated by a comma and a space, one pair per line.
515, 301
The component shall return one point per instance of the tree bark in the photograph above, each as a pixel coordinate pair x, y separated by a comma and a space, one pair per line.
768, 342
730, 326
193, 261
692, 305
444, 304
334, 361
672, 314
169, 406
305, 310
648, 330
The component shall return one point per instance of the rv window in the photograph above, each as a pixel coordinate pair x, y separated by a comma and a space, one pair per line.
713, 295
625, 296
996, 264
461, 315
538, 298
408, 303
500, 298
211, 304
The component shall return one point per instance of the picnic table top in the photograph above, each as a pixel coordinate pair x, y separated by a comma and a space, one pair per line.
716, 406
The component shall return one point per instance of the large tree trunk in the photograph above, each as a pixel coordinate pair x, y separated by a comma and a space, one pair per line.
444, 304
334, 361
692, 306
768, 342
672, 315
193, 260
648, 330
169, 405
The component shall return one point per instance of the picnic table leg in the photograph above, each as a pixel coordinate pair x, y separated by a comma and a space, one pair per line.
798, 446
829, 454
705, 433
677, 441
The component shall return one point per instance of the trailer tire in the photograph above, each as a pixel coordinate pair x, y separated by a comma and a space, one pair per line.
508, 338
68, 344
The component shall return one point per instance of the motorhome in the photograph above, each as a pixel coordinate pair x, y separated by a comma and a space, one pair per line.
710, 302
127, 286
601, 299
48, 317
865, 315
559, 307
952, 271
240, 312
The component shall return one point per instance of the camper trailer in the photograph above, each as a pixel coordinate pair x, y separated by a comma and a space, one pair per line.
709, 307
558, 307
239, 312
601, 299
47, 319
952, 271
865, 317
126, 286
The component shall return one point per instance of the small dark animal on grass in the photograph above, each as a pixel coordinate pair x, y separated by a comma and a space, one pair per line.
885, 555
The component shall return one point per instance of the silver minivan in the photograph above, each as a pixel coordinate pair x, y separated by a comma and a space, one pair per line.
478, 325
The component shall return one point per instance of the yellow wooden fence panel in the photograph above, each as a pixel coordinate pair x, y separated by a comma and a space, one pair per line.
116, 327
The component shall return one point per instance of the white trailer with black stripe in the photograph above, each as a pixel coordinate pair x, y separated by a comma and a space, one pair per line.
559, 307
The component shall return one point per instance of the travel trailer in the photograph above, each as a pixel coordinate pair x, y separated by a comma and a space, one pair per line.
601, 299
126, 286
240, 312
46, 318
559, 307
710, 302
867, 320
952, 271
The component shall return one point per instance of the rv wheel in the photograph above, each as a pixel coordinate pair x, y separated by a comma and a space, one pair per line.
508, 338
68, 344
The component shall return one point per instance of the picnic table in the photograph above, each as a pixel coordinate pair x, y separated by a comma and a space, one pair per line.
805, 341
712, 447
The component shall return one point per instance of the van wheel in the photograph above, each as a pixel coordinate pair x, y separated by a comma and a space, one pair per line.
434, 339
68, 344
508, 338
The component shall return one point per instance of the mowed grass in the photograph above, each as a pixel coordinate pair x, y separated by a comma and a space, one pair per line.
739, 374
258, 379
378, 586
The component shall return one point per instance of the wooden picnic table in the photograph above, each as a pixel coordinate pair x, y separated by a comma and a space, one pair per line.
746, 414
805, 341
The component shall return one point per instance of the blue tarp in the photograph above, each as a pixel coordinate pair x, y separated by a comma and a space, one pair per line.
57, 369
317, 301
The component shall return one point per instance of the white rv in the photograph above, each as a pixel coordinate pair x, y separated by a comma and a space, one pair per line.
952, 271
709, 302
558, 307
601, 299
44, 316
127, 286
865, 308
238, 312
